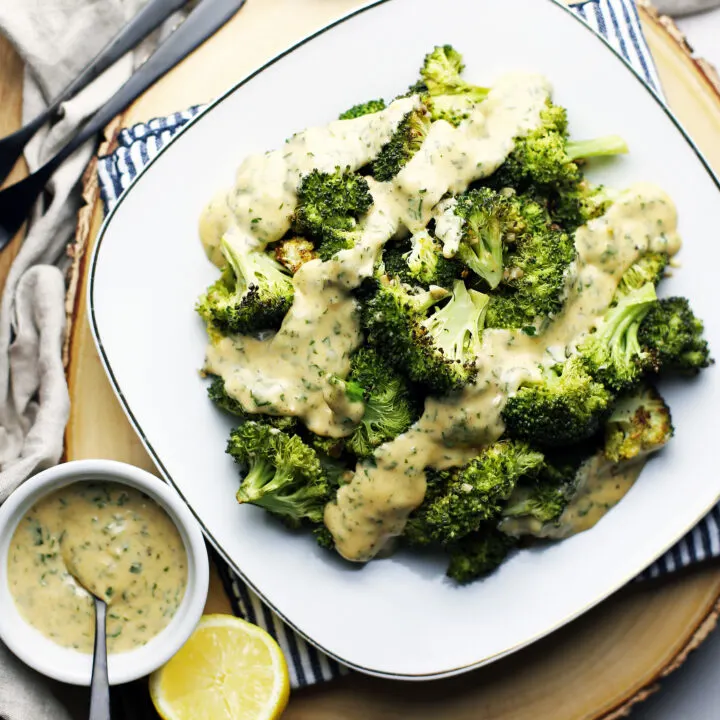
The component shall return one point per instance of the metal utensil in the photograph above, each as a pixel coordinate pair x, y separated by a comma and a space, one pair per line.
17, 200
99, 684
149, 18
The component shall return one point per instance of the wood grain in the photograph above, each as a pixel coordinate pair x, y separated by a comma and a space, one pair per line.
596, 667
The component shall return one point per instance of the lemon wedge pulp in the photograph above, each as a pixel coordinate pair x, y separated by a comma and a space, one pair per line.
227, 670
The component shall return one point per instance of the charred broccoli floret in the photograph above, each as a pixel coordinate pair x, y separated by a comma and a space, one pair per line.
613, 353
674, 337
405, 142
293, 253
252, 294
329, 206
478, 554
462, 499
283, 475
367, 108
640, 424
390, 404
419, 261
435, 351
217, 393
565, 407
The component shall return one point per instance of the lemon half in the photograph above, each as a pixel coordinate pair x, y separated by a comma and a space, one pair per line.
227, 670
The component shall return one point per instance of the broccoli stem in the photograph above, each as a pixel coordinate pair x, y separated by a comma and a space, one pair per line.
598, 147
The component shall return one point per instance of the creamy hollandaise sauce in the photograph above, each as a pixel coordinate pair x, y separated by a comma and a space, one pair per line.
296, 370
109, 539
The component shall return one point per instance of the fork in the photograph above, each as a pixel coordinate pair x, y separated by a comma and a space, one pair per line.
150, 17
17, 200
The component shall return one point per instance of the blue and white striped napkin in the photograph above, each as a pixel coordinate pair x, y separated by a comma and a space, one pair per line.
615, 20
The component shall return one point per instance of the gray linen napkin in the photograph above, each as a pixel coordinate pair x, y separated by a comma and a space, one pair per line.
56, 39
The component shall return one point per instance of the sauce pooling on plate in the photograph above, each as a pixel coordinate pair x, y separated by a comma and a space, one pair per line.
118, 543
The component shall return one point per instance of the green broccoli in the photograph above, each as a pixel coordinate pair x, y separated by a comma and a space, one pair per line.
437, 350
217, 393
536, 259
673, 335
390, 404
640, 424
283, 474
485, 222
253, 293
565, 407
329, 205
419, 261
649, 268
367, 108
613, 354
404, 143
478, 554
450, 97
461, 500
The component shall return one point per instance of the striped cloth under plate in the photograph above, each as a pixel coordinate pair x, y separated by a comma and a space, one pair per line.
618, 22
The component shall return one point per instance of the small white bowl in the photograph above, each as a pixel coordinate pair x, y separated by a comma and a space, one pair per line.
66, 664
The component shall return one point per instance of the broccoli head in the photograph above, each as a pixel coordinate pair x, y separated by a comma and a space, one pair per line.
640, 424
329, 205
367, 108
487, 217
283, 474
217, 393
650, 268
404, 143
478, 554
390, 405
674, 336
462, 499
253, 293
293, 253
419, 261
396, 324
536, 259
563, 408
613, 354
450, 97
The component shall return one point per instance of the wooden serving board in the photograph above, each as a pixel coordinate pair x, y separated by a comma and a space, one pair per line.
596, 667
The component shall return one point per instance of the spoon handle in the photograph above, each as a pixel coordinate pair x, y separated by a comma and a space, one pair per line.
99, 685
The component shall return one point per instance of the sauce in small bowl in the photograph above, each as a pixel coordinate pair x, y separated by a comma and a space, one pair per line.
124, 535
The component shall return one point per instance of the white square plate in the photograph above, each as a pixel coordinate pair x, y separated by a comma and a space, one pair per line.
397, 617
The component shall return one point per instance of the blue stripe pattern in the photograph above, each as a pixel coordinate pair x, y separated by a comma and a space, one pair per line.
615, 20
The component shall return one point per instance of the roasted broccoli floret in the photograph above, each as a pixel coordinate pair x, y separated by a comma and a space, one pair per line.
329, 205
466, 497
283, 475
487, 217
545, 158
293, 253
390, 404
478, 554
404, 143
419, 261
397, 325
674, 337
252, 294
640, 424
565, 407
536, 259
217, 393
451, 97
613, 354
367, 108
649, 268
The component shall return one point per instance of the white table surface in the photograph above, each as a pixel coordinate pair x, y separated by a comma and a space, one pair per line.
693, 691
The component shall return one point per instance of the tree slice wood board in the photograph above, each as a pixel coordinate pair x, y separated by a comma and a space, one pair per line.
596, 667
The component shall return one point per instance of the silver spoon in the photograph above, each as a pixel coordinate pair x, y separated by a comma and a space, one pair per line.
99, 684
